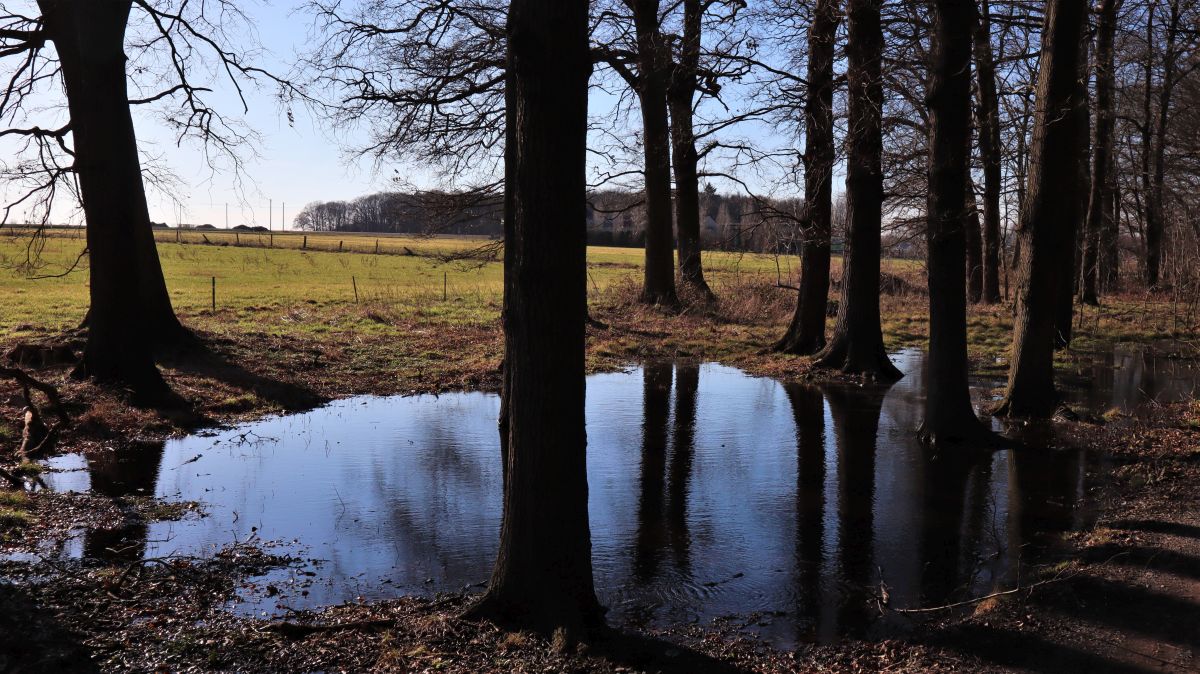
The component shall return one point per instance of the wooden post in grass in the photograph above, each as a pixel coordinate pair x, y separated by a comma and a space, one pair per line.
304, 246
445, 285
354, 282
237, 239
340, 245
214, 293
376, 246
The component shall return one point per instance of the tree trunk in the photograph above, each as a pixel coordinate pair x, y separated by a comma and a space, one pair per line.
857, 343
89, 37
988, 116
1147, 137
1100, 194
1077, 183
949, 416
806, 333
1049, 204
542, 579
680, 92
1156, 222
971, 229
653, 59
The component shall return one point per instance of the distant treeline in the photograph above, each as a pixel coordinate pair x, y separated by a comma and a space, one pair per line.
614, 218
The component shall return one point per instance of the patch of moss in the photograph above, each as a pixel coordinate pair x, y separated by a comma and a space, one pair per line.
28, 469
11, 519
13, 499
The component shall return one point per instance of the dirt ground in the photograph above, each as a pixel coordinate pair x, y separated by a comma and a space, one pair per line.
1123, 597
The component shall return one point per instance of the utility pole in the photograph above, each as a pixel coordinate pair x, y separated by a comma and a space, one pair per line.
226, 215
270, 214
282, 219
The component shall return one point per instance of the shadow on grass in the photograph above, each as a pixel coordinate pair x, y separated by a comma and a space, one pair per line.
203, 360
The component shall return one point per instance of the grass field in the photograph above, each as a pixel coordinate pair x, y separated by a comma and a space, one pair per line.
428, 323
410, 275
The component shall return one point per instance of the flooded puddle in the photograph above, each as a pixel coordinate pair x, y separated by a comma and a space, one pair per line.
712, 493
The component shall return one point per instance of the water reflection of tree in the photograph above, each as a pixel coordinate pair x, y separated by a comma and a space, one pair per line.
687, 382
128, 471
855, 414
663, 489
808, 412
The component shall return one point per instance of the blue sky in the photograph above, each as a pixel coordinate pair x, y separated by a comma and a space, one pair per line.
294, 162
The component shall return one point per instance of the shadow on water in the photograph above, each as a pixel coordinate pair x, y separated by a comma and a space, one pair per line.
789, 509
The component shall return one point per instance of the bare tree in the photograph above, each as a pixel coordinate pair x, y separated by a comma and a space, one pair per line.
1054, 156
543, 574
857, 342
806, 333
95, 153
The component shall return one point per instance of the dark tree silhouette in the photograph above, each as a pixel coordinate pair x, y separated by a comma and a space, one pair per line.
685, 160
988, 120
543, 574
1100, 211
857, 343
89, 38
650, 83
1048, 202
806, 333
949, 416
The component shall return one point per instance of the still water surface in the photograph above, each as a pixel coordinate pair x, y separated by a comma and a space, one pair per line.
712, 493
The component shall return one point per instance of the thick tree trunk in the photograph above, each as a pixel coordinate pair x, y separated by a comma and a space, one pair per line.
988, 116
1049, 204
680, 92
89, 38
806, 333
949, 416
653, 61
542, 579
1102, 174
1072, 240
974, 239
857, 343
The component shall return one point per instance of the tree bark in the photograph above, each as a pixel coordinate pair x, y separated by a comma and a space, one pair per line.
1102, 174
806, 333
1077, 184
542, 580
857, 343
988, 116
128, 304
680, 92
949, 416
1156, 216
653, 59
1049, 203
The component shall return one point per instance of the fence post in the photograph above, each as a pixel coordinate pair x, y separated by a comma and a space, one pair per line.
304, 246
237, 239
354, 282
340, 246
376, 246
214, 293
445, 285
